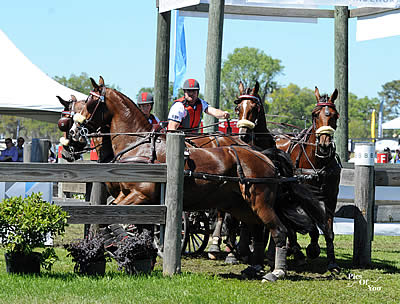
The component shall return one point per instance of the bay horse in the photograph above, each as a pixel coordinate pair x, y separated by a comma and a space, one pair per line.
105, 153
247, 200
312, 152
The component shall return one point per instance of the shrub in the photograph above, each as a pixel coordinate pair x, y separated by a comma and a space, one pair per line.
25, 224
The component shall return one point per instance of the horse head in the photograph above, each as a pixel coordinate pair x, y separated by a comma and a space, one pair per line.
108, 109
92, 115
65, 123
325, 118
248, 108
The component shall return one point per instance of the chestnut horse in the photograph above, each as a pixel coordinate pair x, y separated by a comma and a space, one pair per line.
312, 152
250, 200
106, 154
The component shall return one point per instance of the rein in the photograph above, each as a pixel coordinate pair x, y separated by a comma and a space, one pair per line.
242, 180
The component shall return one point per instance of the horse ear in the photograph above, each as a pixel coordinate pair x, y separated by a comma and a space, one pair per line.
241, 88
256, 88
101, 81
317, 94
334, 96
73, 98
94, 84
65, 103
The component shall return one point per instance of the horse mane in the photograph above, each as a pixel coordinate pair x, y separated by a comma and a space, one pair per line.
133, 107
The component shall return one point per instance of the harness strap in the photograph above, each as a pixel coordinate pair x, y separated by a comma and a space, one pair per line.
239, 167
245, 180
147, 139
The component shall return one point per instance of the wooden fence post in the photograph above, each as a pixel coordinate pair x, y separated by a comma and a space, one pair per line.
174, 203
364, 199
98, 196
40, 150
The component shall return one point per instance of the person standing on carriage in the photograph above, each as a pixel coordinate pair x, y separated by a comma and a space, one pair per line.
145, 102
187, 111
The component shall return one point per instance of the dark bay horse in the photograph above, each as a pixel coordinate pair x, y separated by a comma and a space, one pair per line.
248, 200
312, 152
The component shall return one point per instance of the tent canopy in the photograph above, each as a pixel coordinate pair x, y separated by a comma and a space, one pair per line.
26, 90
392, 124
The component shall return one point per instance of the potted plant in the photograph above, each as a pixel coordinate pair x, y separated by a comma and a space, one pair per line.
89, 255
25, 224
136, 253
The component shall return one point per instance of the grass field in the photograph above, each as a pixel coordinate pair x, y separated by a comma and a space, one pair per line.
205, 281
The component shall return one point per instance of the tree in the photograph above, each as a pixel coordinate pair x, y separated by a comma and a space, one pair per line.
247, 65
360, 110
390, 95
79, 83
292, 105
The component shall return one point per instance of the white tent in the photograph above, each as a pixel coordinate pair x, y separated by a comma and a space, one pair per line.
25, 90
392, 124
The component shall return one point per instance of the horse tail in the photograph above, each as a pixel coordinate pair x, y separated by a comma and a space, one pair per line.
299, 207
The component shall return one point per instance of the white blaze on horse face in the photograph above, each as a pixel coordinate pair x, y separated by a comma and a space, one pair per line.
245, 123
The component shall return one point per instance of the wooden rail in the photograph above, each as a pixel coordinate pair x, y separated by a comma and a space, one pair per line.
94, 172
382, 210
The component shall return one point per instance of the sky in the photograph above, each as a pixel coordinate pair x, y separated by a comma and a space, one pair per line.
118, 42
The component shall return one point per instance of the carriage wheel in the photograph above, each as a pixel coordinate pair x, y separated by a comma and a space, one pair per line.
157, 242
198, 233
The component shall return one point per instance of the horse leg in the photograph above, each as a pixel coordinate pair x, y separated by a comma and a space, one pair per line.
279, 236
216, 237
119, 198
295, 249
232, 225
330, 250
256, 258
313, 250
244, 243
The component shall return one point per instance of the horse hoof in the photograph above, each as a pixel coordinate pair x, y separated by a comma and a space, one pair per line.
214, 249
334, 268
245, 259
212, 256
231, 259
273, 276
251, 272
313, 250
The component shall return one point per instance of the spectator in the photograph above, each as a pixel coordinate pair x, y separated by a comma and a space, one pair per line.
397, 157
10, 153
389, 154
20, 148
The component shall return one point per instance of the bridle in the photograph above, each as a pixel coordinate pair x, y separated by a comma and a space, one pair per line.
245, 123
98, 104
325, 130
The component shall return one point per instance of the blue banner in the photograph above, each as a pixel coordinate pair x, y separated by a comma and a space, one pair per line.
180, 53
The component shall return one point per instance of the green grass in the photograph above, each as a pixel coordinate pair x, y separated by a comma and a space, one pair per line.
205, 281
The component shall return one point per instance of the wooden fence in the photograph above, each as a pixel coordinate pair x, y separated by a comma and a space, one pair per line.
363, 209
170, 214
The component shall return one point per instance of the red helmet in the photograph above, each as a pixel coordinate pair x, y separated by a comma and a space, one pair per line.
191, 84
145, 98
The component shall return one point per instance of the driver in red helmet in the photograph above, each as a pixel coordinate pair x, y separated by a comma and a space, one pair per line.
145, 102
187, 111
